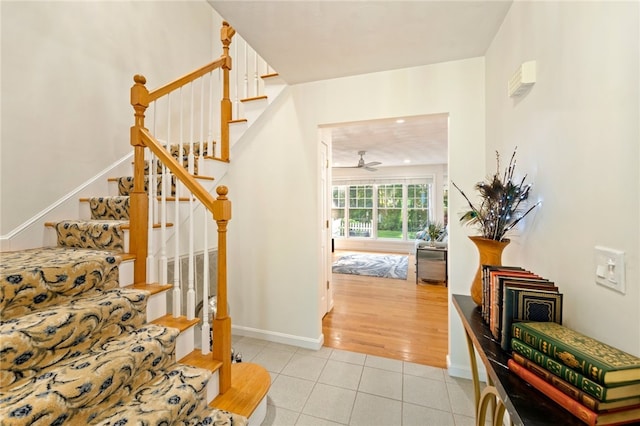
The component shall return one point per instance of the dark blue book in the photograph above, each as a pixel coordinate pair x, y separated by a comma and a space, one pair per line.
528, 304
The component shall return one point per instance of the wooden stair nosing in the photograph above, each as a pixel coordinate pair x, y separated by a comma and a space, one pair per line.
254, 98
239, 120
203, 177
181, 322
211, 157
155, 225
196, 359
124, 225
152, 288
249, 385
272, 75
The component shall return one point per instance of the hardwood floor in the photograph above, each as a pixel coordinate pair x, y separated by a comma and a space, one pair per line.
389, 318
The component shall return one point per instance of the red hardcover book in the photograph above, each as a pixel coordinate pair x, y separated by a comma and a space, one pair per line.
486, 287
609, 417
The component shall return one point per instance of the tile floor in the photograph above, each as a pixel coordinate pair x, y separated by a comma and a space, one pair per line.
335, 387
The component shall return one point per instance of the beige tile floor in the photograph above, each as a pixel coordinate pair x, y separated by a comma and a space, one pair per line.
335, 387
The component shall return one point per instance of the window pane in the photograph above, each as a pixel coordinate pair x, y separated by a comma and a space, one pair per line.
338, 211
390, 211
360, 222
361, 196
417, 207
360, 210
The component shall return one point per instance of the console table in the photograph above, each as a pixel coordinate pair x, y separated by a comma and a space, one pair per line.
504, 390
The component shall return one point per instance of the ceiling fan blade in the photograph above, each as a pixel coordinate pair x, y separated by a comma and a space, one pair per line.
373, 163
371, 169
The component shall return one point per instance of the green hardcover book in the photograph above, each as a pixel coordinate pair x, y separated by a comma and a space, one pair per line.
595, 360
567, 388
598, 391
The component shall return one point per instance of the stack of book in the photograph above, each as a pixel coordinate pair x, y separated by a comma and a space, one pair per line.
596, 382
512, 293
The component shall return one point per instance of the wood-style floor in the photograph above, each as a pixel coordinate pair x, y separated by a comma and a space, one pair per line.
389, 318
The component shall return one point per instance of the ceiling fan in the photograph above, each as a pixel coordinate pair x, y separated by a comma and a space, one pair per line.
362, 165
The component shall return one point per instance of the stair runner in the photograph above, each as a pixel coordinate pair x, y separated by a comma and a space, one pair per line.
110, 214
75, 348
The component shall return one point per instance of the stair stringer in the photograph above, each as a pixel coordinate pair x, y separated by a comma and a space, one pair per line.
253, 109
30, 233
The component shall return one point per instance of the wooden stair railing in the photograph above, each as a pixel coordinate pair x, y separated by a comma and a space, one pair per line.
220, 208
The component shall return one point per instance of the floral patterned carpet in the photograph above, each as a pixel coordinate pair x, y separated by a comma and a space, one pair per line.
75, 348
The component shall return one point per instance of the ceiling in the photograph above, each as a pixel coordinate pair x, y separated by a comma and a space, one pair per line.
307, 40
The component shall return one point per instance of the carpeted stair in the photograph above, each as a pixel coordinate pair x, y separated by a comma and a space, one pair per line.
110, 214
76, 348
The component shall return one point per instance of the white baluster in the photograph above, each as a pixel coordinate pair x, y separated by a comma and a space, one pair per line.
191, 292
246, 70
206, 327
190, 155
256, 76
177, 294
151, 178
202, 142
164, 263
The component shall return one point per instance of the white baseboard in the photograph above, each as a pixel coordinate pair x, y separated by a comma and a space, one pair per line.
272, 336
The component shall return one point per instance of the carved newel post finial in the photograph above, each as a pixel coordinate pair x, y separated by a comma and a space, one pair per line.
139, 99
222, 192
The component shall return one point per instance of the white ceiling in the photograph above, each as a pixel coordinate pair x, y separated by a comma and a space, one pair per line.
318, 40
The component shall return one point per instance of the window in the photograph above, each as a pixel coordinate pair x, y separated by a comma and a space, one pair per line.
417, 207
360, 210
338, 210
386, 209
390, 202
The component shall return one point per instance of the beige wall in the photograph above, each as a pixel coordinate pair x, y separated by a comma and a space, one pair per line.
578, 139
273, 266
67, 68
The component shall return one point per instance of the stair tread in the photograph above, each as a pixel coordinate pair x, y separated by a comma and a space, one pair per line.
35, 279
152, 288
181, 322
83, 385
59, 333
249, 386
173, 395
197, 359
254, 98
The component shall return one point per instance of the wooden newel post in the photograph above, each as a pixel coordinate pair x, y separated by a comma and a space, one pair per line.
222, 321
226, 34
138, 198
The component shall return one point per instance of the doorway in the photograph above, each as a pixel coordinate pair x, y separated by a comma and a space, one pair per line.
399, 320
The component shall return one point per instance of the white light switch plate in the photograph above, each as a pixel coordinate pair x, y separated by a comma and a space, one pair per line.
609, 268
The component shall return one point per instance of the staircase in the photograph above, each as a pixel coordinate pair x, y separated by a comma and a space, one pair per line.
93, 327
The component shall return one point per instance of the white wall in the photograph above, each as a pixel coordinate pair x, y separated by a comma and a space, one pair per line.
578, 139
273, 264
67, 68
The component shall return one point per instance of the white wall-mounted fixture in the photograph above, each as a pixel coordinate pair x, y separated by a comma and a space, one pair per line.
610, 268
522, 79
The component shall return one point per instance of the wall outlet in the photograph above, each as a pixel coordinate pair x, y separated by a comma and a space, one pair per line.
609, 268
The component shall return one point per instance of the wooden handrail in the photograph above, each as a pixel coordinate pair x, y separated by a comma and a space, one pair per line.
187, 78
178, 170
